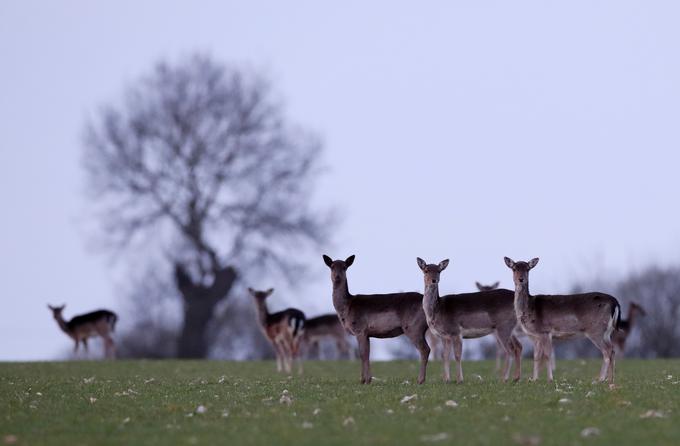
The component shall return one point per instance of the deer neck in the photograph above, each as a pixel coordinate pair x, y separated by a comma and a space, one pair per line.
262, 312
430, 300
522, 301
62, 324
341, 296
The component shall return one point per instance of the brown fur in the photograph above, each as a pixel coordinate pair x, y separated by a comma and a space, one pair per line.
283, 329
470, 315
378, 316
100, 323
326, 326
593, 315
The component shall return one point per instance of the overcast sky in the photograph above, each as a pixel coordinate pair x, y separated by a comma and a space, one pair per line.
467, 130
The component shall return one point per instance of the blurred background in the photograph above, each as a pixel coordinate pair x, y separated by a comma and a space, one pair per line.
158, 158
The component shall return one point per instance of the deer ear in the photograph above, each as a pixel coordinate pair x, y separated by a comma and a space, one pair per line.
327, 260
270, 291
495, 285
443, 264
349, 260
479, 286
421, 263
509, 262
533, 262
251, 291
50, 307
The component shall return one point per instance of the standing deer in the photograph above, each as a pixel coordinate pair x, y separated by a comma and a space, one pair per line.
542, 317
378, 316
436, 344
284, 329
326, 326
625, 326
471, 315
97, 323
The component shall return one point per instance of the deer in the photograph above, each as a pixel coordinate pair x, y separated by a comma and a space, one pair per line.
594, 315
625, 326
368, 316
500, 352
326, 326
470, 315
283, 329
436, 345
96, 323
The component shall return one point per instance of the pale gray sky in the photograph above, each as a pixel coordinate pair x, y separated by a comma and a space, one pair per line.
467, 130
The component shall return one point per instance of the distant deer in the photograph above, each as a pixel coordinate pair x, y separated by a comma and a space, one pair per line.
97, 323
470, 315
620, 336
284, 329
542, 317
378, 316
326, 326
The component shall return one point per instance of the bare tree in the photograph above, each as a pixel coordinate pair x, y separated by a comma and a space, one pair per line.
198, 162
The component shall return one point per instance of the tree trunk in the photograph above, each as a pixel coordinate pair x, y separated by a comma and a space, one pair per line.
199, 306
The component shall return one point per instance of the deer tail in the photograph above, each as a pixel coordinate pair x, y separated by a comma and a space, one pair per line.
112, 319
616, 314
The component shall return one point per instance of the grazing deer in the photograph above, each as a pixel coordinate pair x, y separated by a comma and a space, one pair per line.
378, 316
326, 326
542, 317
625, 326
471, 315
97, 323
283, 329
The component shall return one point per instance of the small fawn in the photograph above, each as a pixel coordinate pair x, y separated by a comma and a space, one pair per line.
97, 323
284, 329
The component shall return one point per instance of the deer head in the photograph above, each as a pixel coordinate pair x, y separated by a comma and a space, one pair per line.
520, 270
260, 296
56, 311
432, 271
481, 287
338, 268
634, 306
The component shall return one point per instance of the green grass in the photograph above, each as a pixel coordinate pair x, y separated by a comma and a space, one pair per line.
150, 402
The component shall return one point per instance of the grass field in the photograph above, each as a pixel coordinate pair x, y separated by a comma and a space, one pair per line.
211, 402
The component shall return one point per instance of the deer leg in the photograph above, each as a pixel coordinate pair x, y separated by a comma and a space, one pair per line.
552, 360
288, 355
418, 339
84, 341
547, 351
342, 346
537, 357
279, 355
458, 354
446, 358
500, 351
285, 357
365, 353
605, 346
517, 352
75, 348
504, 344
296, 354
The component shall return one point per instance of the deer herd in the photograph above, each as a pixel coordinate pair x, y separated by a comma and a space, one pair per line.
433, 323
